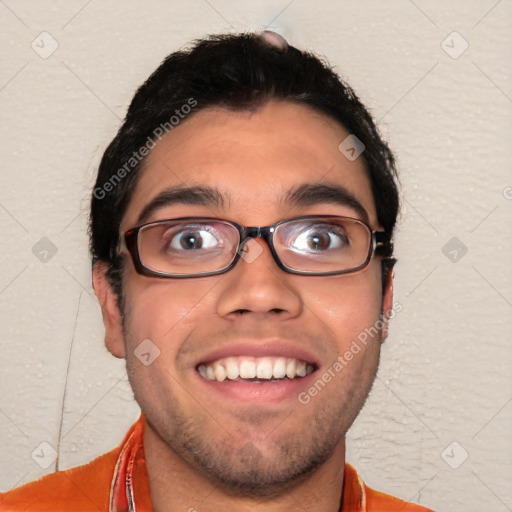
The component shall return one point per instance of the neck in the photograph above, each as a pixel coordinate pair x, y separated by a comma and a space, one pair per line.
178, 486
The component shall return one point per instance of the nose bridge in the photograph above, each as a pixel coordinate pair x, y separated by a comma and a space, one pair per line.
254, 287
260, 232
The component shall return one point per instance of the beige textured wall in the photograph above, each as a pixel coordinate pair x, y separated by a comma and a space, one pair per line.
446, 109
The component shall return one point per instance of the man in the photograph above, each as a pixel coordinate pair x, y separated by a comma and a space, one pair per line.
241, 233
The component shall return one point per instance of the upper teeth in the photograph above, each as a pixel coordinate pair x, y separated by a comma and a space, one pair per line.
254, 367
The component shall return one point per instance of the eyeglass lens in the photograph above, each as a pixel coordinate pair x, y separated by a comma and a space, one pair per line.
322, 245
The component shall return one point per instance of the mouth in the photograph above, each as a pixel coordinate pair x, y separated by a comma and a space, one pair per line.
266, 373
255, 369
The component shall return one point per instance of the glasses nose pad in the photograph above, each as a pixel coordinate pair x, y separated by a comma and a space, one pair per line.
249, 250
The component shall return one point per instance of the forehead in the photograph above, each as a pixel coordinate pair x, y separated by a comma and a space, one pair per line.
253, 159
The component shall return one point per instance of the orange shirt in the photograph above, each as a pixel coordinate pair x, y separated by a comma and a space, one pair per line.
118, 482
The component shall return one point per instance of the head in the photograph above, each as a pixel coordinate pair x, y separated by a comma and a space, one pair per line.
238, 129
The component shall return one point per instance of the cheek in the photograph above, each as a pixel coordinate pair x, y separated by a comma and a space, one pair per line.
165, 311
347, 304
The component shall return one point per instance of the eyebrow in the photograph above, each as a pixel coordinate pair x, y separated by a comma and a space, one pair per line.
313, 194
301, 196
204, 196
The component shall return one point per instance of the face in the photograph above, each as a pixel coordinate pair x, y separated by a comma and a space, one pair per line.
252, 435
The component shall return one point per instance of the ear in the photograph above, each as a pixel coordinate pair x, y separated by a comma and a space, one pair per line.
387, 301
114, 338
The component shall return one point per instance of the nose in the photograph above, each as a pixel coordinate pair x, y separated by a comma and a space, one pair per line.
257, 285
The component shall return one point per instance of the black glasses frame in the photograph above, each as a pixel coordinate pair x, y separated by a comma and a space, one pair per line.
378, 240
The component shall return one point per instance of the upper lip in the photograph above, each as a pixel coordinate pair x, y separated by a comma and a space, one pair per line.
261, 348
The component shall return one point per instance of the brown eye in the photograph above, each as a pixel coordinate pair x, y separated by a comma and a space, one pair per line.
319, 239
191, 238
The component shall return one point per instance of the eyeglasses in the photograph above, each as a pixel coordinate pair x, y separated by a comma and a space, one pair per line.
201, 246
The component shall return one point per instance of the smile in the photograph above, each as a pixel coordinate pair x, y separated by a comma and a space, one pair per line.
254, 369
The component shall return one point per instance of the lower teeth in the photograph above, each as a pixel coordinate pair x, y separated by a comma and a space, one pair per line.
255, 379
240, 379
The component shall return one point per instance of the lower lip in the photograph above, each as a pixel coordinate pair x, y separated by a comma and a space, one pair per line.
261, 391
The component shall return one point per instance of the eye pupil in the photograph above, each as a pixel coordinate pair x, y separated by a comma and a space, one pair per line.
191, 241
318, 241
